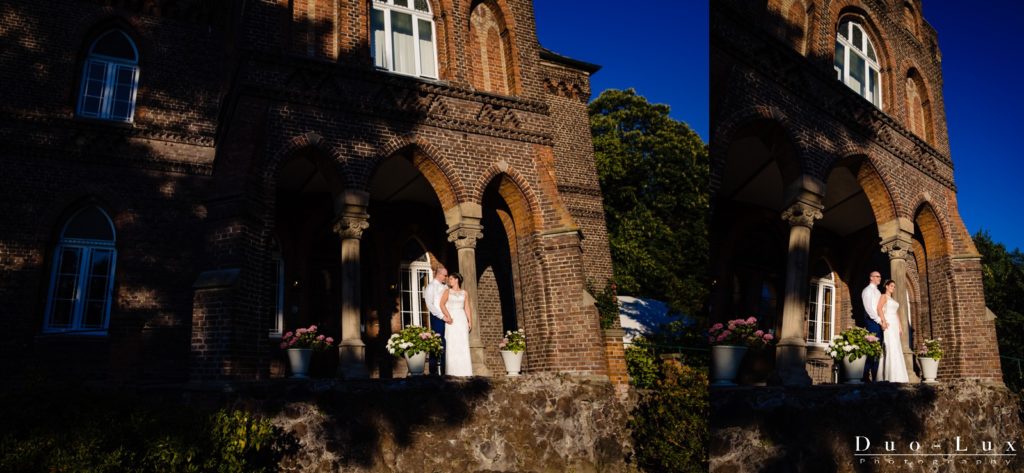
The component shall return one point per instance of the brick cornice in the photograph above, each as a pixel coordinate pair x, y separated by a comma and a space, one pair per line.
773, 61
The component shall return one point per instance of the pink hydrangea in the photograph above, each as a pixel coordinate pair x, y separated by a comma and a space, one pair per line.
751, 320
769, 337
717, 327
312, 328
330, 340
732, 326
288, 335
759, 333
721, 337
284, 345
321, 338
301, 331
726, 333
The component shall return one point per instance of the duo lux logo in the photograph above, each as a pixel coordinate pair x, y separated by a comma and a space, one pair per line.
957, 450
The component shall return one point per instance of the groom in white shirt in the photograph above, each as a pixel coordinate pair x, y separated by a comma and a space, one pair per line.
432, 296
870, 296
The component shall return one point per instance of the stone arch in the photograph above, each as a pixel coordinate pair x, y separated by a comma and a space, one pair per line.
313, 146
866, 17
492, 48
429, 160
932, 228
778, 122
517, 193
877, 191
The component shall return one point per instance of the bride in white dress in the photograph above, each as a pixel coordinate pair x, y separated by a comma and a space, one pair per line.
891, 366
456, 308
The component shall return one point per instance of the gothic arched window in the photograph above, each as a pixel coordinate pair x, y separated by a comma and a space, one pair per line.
110, 78
82, 279
402, 37
856, 62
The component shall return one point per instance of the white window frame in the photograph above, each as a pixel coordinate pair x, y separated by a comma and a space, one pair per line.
818, 338
386, 7
277, 330
85, 249
409, 281
843, 69
112, 65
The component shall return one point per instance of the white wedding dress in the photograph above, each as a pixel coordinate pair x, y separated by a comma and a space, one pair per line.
891, 367
456, 335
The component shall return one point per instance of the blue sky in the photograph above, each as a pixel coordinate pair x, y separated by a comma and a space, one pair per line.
662, 53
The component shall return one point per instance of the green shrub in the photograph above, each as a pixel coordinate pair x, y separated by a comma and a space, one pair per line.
58, 430
607, 303
642, 363
670, 423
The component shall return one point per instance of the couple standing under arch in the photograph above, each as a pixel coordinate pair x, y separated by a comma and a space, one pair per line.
883, 320
452, 317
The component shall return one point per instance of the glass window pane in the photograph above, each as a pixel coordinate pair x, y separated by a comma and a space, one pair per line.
115, 44
871, 52
402, 43
91, 224
856, 79
61, 317
402, 3
421, 5
858, 38
840, 58
426, 45
377, 39
95, 311
844, 29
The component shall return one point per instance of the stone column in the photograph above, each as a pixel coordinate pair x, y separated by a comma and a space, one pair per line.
465, 234
350, 224
898, 248
791, 354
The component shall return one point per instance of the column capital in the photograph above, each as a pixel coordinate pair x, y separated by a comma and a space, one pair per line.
897, 247
465, 235
351, 226
802, 214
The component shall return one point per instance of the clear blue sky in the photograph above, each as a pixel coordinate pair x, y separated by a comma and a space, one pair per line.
662, 52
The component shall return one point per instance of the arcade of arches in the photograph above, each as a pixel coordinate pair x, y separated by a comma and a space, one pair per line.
795, 251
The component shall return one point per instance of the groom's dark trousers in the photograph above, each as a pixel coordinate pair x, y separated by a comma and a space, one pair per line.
437, 362
871, 365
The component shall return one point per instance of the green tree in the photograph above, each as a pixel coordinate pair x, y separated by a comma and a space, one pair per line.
654, 177
1003, 279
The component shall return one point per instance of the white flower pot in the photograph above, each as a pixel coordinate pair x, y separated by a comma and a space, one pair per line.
929, 368
298, 360
725, 363
853, 371
513, 362
416, 363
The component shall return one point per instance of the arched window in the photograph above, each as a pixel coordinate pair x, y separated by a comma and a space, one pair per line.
110, 78
910, 18
490, 50
820, 315
402, 37
856, 62
82, 280
416, 274
277, 292
919, 117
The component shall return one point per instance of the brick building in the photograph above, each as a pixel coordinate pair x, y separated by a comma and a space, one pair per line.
830, 158
182, 181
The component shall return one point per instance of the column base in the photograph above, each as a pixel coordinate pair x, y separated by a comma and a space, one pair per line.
479, 359
352, 359
790, 366
908, 358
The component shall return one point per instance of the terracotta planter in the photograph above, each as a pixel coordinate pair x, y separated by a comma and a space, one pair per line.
853, 371
725, 363
298, 360
416, 363
929, 369
513, 362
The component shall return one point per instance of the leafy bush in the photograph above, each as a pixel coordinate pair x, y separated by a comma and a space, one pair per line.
65, 430
670, 424
642, 363
607, 303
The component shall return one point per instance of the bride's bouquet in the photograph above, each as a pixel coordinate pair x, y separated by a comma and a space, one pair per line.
854, 343
414, 339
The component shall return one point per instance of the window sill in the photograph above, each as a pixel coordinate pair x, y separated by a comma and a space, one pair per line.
106, 122
69, 334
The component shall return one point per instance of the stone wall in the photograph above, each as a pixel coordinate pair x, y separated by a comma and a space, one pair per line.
541, 423
818, 428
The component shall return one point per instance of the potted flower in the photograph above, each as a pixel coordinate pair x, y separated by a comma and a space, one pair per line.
512, 346
729, 342
300, 345
853, 346
413, 343
929, 355
759, 363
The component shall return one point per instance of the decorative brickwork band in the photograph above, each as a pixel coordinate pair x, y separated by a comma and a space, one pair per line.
802, 214
465, 235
